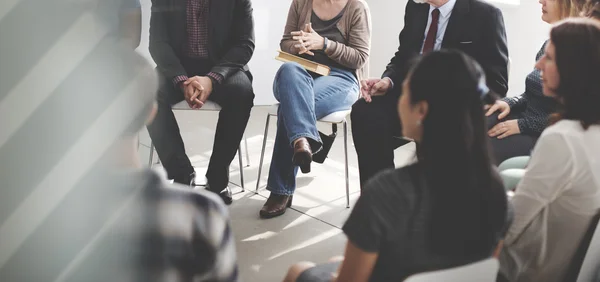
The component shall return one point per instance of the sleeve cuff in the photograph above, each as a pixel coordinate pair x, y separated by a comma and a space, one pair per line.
216, 76
522, 126
179, 79
510, 101
391, 82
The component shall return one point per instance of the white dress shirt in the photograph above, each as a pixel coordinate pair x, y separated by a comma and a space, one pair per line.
445, 13
554, 203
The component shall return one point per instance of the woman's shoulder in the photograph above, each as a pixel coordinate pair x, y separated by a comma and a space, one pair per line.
564, 127
358, 6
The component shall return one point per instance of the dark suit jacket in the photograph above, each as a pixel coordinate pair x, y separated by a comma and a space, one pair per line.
475, 27
230, 36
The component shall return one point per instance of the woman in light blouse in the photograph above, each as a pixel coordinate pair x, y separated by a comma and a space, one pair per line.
335, 33
560, 192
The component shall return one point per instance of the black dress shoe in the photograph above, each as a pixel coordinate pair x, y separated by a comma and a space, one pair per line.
187, 180
225, 194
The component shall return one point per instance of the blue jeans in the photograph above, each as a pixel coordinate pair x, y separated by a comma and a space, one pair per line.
303, 99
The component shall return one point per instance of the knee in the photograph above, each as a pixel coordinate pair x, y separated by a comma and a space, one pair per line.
492, 120
289, 70
289, 74
242, 94
336, 259
361, 112
297, 269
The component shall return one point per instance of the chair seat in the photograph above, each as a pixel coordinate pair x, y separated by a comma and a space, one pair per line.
511, 177
208, 106
335, 117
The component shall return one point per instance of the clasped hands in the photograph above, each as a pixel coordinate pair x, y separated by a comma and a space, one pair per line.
307, 39
196, 91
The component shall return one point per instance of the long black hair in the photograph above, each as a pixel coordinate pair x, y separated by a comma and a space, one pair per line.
469, 202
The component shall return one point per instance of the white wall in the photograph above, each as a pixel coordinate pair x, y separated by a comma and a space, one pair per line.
525, 30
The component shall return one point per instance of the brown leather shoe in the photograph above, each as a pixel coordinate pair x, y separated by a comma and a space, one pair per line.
302, 155
275, 205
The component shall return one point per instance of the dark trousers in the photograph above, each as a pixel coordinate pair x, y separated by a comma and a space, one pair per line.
375, 128
511, 146
236, 98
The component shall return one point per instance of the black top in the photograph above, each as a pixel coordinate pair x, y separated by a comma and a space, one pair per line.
327, 29
392, 218
533, 107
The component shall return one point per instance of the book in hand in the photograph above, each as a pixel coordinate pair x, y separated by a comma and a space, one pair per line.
307, 64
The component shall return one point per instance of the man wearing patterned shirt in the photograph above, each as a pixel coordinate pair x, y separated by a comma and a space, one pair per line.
201, 48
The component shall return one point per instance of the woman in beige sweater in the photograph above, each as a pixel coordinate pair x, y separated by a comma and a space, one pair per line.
336, 33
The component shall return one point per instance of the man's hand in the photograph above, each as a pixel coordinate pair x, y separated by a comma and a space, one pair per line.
374, 87
307, 40
191, 91
204, 86
501, 106
505, 129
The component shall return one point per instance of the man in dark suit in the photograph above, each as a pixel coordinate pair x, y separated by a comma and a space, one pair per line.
201, 49
472, 26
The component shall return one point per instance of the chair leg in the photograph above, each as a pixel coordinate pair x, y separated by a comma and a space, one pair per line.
346, 160
247, 152
262, 152
241, 168
151, 154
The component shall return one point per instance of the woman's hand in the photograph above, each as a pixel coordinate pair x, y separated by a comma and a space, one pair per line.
501, 106
307, 40
505, 129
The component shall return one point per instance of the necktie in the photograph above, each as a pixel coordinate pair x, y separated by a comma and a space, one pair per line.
432, 33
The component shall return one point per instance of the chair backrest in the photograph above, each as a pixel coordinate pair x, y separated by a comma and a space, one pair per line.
481, 271
587, 258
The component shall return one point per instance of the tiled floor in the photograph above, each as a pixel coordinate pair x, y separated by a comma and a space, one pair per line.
310, 230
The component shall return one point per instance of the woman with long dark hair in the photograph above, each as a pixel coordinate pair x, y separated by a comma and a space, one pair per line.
446, 209
559, 194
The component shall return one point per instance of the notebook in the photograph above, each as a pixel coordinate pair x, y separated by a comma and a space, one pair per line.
307, 64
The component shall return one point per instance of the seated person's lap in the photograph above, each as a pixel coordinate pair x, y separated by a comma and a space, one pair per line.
236, 89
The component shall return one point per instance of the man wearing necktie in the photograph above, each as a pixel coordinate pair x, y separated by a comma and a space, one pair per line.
472, 26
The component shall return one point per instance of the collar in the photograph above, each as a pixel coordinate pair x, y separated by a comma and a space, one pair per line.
445, 9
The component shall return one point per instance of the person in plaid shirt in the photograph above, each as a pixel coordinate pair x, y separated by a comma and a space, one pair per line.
75, 206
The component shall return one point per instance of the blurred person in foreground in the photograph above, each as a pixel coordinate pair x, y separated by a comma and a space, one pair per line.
74, 203
201, 49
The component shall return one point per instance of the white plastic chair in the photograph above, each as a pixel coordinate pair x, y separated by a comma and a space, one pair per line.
333, 118
209, 106
481, 271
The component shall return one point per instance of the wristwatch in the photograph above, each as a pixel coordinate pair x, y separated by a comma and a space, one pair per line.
325, 43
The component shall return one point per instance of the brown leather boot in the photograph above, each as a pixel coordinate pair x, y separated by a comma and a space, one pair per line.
302, 155
275, 205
